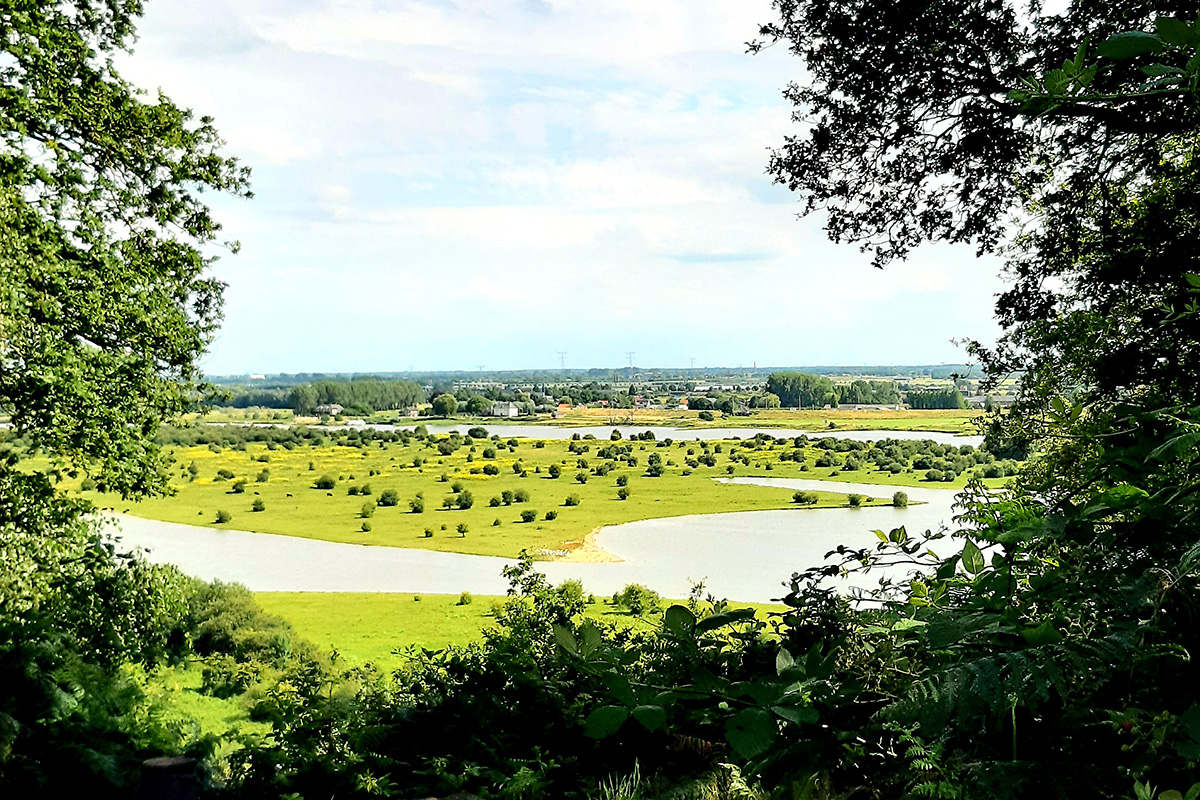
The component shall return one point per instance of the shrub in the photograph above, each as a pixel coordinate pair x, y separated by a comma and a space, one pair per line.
805, 498
352, 491
365, 527
456, 487
855, 500
507, 497
639, 599
521, 496
465, 499
581, 477
462, 529
366, 489
263, 476
87, 485
368, 509
571, 590
496, 522
623, 493
494, 502
465, 598
258, 505
622, 480
555, 471
491, 469
324, 482
900, 500
417, 505
572, 500
934, 475
477, 432
389, 498
528, 516
429, 533
707, 416
223, 517
224, 474
551, 515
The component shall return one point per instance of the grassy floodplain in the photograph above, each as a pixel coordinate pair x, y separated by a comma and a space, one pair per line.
207, 479
364, 627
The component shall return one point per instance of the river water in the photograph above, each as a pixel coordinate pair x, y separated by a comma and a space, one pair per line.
747, 555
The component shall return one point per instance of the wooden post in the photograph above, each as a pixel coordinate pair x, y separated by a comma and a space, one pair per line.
171, 778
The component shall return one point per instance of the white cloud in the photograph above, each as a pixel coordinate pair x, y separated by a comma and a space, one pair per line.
436, 173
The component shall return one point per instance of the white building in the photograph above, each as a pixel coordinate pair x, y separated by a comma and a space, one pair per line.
503, 409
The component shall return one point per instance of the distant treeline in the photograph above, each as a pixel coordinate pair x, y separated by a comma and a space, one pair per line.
362, 397
807, 390
572, 376
937, 398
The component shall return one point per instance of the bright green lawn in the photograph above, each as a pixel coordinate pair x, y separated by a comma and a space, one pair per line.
369, 627
293, 507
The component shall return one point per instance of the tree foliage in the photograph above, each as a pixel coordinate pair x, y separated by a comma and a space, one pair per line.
103, 241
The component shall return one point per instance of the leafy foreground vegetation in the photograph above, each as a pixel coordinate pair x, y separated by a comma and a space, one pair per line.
1043, 647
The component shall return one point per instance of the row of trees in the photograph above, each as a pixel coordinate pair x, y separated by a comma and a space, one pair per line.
806, 390
361, 396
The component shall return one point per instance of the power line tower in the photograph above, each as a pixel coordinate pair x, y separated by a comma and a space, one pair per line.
629, 354
562, 359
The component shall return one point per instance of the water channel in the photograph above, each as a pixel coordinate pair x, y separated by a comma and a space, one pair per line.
744, 555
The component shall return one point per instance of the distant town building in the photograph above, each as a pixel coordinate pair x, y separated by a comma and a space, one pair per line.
332, 409
504, 409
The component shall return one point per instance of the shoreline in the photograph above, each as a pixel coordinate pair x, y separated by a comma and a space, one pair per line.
588, 552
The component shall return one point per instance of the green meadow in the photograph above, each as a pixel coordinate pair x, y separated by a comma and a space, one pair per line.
364, 627
490, 496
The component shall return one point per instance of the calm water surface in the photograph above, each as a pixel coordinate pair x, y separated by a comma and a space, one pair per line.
747, 555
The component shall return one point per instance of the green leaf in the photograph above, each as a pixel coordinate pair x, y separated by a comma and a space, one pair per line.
1191, 277
1176, 446
723, 619
651, 717
591, 638
751, 731
1154, 70
679, 620
1176, 32
618, 686
1131, 44
1170, 794
908, 624
800, 716
783, 661
605, 721
972, 558
566, 640
1045, 633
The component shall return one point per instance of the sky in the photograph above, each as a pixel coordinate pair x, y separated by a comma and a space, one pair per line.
457, 185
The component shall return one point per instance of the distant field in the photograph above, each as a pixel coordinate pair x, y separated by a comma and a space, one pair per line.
947, 421
369, 627
291, 506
